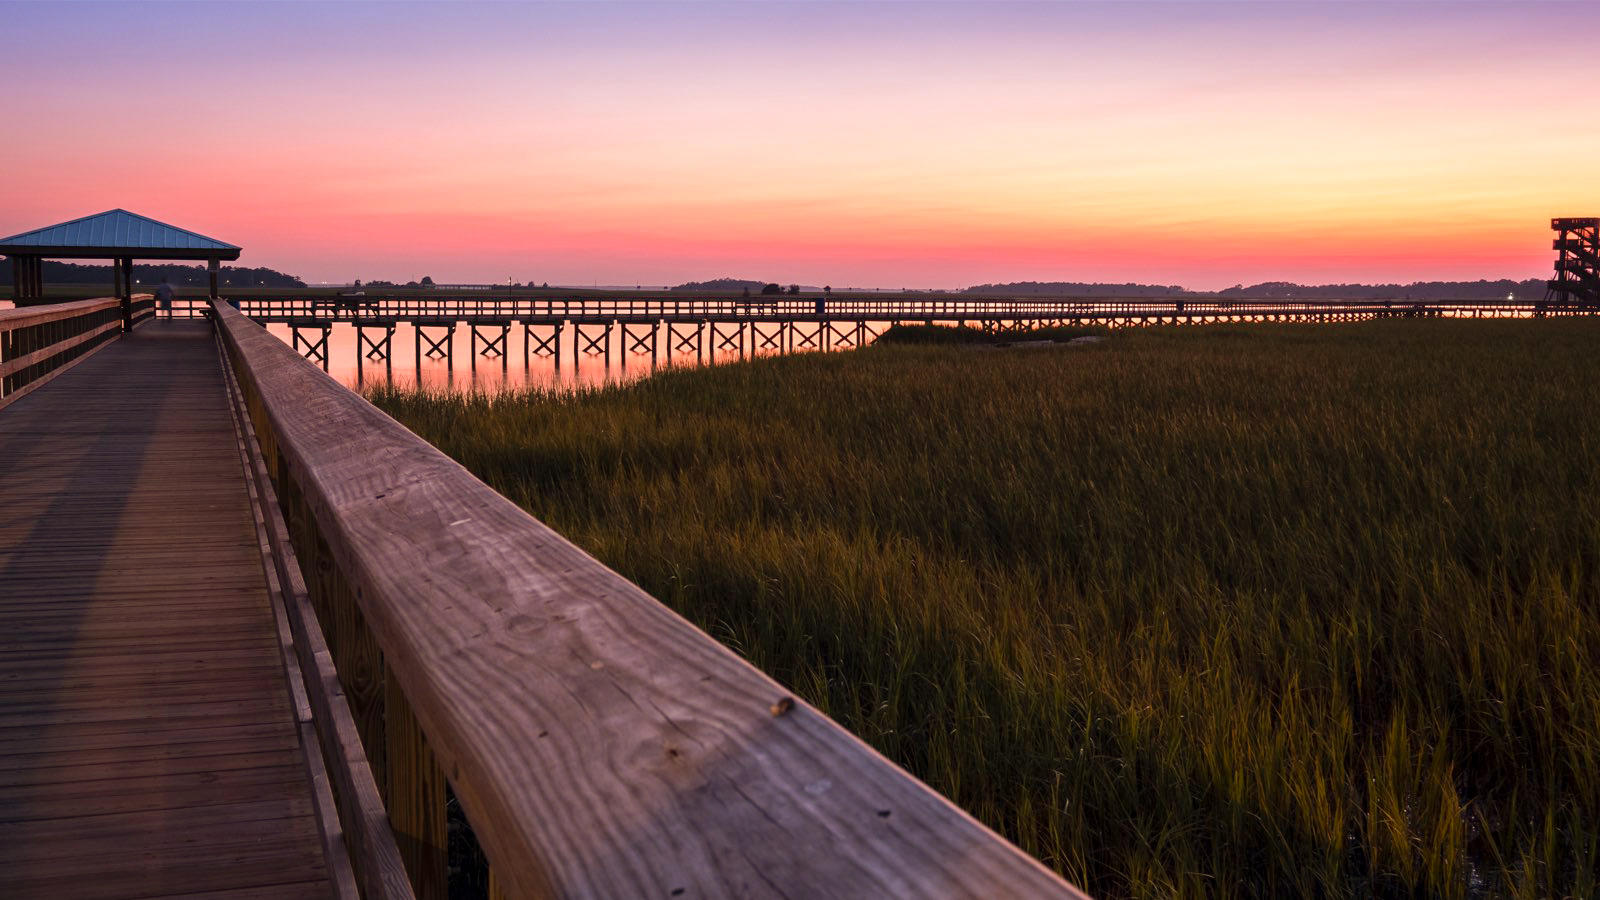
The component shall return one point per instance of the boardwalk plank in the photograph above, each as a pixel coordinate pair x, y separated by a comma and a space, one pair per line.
148, 746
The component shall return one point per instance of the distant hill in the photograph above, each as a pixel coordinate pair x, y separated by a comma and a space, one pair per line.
718, 284
178, 275
1418, 290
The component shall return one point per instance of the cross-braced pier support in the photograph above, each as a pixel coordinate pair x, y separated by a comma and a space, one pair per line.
310, 339
848, 337
489, 339
801, 340
542, 347
731, 340
640, 340
690, 338
589, 343
440, 347
761, 340
374, 338
374, 341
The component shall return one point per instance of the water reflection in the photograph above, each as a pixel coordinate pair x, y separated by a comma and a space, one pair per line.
495, 357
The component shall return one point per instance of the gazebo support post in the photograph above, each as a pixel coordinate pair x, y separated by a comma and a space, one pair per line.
211, 270
126, 265
27, 280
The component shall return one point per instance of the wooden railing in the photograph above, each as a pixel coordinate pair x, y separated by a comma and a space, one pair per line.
782, 308
599, 744
38, 343
142, 309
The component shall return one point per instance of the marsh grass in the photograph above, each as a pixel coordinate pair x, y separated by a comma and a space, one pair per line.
901, 333
1251, 611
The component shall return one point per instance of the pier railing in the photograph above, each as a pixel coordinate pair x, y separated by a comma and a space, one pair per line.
38, 343
599, 744
446, 308
782, 308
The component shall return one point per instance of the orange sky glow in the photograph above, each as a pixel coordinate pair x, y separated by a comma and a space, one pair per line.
893, 145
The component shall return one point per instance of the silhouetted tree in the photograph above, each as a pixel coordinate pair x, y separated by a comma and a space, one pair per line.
794, 288
427, 281
827, 289
772, 289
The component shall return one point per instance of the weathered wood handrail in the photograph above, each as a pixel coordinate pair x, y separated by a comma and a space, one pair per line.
38, 343
600, 745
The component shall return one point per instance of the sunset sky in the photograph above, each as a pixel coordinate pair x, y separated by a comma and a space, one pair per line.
895, 144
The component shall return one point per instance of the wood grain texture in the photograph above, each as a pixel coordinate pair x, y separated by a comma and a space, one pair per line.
600, 744
148, 742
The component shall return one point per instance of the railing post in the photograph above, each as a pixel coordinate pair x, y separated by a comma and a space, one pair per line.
415, 795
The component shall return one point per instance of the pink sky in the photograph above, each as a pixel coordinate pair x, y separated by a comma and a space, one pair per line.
894, 145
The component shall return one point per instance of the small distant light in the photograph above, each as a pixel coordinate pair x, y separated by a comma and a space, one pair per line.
1511, 296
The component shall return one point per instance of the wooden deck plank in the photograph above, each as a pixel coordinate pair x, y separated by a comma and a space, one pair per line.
265, 892
116, 756
132, 675
148, 745
57, 773
176, 792
114, 875
151, 822
67, 739
164, 660
143, 695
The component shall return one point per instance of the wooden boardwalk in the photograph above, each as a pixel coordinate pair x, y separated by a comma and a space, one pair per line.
148, 743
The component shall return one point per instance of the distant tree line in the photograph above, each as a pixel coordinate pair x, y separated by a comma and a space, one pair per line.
152, 273
1076, 289
1278, 290
718, 284
427, 281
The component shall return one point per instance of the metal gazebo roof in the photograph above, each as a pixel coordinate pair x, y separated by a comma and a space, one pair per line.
116, 233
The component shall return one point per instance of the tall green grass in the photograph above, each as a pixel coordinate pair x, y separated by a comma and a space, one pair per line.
1252, 611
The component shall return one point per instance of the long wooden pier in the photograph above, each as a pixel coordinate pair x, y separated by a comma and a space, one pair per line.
260, 640
704, 328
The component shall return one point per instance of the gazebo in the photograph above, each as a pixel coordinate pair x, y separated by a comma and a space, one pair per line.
117, 235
